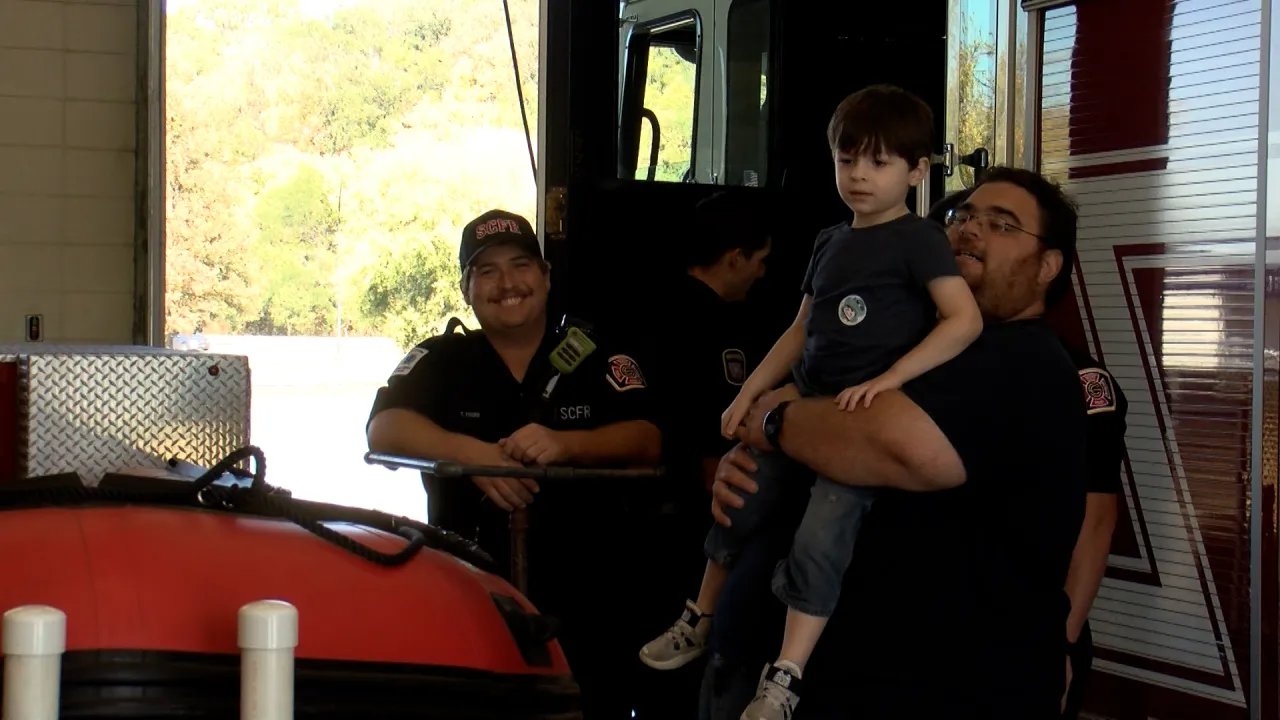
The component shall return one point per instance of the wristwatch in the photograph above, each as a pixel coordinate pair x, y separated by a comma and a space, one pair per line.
773, 424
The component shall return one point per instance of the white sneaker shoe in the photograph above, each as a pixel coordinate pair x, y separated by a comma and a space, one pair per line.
776, 697
681, 644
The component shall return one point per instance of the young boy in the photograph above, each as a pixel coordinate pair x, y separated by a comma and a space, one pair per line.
883, 303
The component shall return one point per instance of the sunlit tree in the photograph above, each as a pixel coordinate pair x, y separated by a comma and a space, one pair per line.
320, 168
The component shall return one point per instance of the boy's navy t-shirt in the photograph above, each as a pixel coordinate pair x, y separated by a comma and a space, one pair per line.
871, 302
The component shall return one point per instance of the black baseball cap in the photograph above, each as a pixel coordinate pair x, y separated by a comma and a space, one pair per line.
496, 227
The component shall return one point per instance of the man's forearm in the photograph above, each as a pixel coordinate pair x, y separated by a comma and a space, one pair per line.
1089, 559
406, 433
893, 443
629, 442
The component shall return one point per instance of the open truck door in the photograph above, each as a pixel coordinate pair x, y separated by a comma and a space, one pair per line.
634, 125
694, 93
665, 127
682, 81
719, 95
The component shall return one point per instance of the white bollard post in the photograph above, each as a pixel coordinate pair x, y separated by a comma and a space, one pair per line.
268, 631
34, 638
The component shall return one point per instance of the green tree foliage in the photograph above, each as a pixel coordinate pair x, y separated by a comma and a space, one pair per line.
971, 104
413, 291
321, 166
296, 227
669, 93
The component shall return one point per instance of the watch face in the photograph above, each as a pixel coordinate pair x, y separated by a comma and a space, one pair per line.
773, 424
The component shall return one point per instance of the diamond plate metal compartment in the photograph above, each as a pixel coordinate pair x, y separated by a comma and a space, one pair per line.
94, 410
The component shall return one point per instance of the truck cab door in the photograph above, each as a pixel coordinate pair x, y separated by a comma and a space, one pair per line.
667, 109
684, 95
740, 113
678, 93
693, 91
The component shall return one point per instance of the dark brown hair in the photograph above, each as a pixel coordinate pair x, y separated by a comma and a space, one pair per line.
1059, 216
882, 119
725, 222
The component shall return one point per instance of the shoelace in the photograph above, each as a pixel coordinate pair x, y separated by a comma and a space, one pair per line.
679, 631
778, 697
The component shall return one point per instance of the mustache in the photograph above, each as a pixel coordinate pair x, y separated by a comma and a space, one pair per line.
499, 296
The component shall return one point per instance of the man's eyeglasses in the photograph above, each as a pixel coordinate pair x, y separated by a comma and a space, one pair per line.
986, 223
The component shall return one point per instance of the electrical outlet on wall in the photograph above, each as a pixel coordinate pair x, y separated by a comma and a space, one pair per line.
34, 331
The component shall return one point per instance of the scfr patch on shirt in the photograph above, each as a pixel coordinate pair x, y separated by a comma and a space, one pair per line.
406, 365
1099, 390
624, 374
735, 366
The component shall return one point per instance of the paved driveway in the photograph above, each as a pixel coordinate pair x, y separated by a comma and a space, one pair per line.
311, 398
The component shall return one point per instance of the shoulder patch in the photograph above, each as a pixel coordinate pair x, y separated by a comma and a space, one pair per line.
1099, 390
406, 365
624, 373
735, 366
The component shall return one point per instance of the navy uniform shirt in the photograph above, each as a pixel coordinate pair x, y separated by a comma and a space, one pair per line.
700, 352
460, 383
871, 302
964, 587
703, 352
1106, 407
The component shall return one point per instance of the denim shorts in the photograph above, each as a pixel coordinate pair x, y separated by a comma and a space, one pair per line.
810, 578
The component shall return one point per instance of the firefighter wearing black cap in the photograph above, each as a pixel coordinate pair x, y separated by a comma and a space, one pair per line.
1106, 407
523, 390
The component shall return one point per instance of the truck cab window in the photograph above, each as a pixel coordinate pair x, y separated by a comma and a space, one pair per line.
747, 100
659, 100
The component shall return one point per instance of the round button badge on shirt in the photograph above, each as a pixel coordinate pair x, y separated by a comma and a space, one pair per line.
852, 310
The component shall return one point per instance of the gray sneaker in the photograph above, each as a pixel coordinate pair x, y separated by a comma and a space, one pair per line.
777, 696
681, 644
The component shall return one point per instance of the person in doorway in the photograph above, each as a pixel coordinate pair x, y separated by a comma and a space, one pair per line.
704, 347
707, 347
953, 603
883, 302
519, 393
1107, 407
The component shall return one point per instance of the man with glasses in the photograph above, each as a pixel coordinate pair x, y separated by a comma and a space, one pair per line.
1107, 407
953, 605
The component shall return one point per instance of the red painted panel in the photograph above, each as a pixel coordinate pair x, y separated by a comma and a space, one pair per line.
1217, 493
1218, 503
1125, 698
1119, 83
1114, 109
